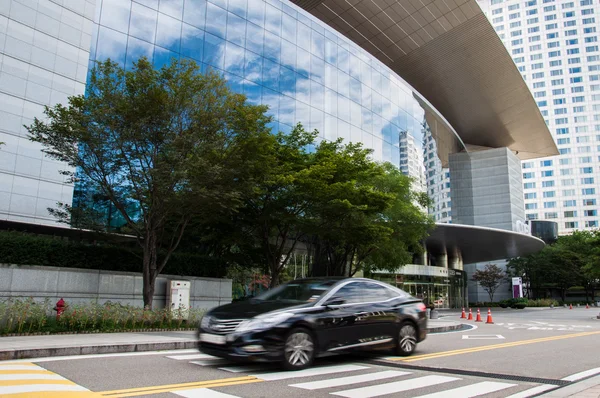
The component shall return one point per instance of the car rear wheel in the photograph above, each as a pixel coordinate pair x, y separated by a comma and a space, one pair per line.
299, 350
407, 339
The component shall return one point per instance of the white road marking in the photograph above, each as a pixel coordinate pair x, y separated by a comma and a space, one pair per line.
581, 375
20, 367
473, 390
211, 362
248, 368
40, 388
29, 376
191, 356
398, 386
343, 381
309, 372
94, 356
202, 393
532, 391
482, 337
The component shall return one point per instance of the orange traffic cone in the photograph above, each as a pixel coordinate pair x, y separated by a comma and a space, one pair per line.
489, 317
478, 316
570, 306
587, 306
470, 318
463, 315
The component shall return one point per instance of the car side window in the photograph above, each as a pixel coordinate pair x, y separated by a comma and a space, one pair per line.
351, 293
375, 292
364, 292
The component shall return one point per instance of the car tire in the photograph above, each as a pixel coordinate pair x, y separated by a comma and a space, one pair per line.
298, 349
407, 339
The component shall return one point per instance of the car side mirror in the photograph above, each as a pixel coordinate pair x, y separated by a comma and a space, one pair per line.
334, 301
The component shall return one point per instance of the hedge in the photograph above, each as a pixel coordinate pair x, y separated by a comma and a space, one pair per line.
25, 249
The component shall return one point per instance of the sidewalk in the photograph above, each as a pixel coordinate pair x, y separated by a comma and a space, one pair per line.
104, 343
587, 388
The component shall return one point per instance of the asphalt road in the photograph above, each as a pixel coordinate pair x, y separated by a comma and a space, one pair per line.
524, 353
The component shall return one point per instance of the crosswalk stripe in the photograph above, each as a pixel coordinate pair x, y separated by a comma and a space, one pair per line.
343, 381
470, 391
309, 372
25, 376
398, 386
532, 391
203, 393
40, 388
239, 369
581, 375
191, 356
211, 362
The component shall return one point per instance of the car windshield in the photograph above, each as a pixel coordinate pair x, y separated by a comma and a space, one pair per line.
301, 291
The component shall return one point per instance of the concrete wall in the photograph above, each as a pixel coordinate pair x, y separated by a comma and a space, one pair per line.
487, 189
77, 285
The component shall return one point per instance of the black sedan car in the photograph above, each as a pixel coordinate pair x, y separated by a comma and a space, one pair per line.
300, 320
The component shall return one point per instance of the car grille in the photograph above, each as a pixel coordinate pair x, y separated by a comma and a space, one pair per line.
224, 326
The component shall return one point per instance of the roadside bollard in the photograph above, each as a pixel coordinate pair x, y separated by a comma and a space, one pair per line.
60, 308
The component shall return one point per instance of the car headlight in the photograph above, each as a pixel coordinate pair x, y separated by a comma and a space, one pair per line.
263, 322
205, 321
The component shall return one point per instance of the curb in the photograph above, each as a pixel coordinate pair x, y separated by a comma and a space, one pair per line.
95, 349
7, 355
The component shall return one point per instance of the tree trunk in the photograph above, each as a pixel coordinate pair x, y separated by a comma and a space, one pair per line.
149, 269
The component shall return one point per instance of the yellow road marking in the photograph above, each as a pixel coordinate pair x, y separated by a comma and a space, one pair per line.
56, 394
490, 347
132, 392
26, 372
6, 383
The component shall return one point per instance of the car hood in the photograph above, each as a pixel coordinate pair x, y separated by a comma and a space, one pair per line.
251, 308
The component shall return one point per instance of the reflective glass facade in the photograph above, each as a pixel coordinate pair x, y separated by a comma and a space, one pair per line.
277, 55
44, 56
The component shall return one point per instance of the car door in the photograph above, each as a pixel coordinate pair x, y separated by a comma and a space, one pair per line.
378, 315
336, 324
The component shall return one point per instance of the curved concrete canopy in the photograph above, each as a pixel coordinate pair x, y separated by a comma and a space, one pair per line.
477, 244
448, 51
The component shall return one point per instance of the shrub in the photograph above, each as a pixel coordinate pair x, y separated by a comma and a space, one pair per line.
24, 249
29, 316
542, 303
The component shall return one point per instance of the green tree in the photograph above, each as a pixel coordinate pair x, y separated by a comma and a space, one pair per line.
489, 278
177, 143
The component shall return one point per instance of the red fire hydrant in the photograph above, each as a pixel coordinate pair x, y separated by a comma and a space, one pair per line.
60, 308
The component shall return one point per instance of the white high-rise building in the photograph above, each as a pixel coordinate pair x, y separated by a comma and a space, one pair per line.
554, 43
411, 161
437, 180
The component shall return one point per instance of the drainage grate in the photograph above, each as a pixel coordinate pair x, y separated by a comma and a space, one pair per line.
473, 373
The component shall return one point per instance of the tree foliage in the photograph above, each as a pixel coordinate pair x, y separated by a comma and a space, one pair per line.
489, 278
171, 143
573, 260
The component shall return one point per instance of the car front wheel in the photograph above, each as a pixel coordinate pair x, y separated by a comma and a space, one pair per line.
299, 350
407, 339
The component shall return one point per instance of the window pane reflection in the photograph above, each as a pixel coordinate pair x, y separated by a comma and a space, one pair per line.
216, 20
192, 42
173, 8
115, 14
137, 49
111, 45
168, 32
143, 22
194, 13
214, 50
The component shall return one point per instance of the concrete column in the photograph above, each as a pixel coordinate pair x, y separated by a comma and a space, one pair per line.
442, 260
487, 189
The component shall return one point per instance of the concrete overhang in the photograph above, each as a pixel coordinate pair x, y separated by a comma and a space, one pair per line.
449, 52
478, 244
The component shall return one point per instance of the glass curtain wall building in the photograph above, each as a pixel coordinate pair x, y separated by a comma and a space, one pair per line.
554, 43
275, 54
44, 55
